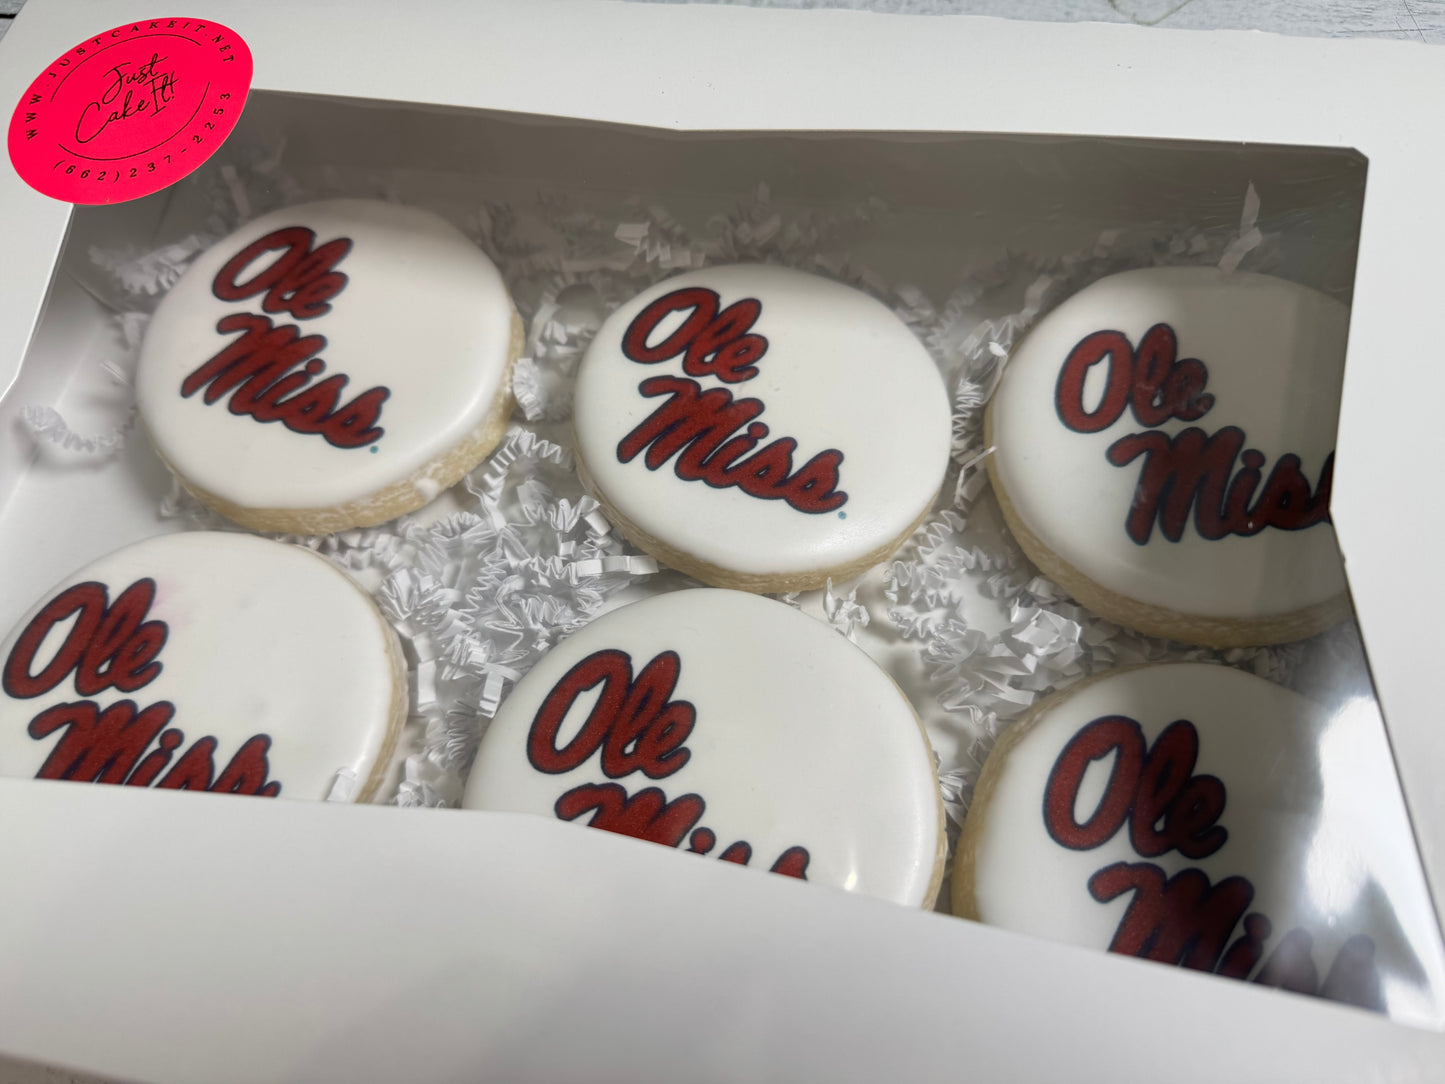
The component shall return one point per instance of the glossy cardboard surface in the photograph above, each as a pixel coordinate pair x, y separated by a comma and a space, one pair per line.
135, 939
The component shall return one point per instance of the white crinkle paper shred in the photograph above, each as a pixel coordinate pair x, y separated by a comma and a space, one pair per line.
481, 592
844, 612
143, 276
45, 423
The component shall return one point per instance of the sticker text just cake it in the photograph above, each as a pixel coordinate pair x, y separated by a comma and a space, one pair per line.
637, 727
1191, 474
116, 645
1186, 919
268, 371
714, 437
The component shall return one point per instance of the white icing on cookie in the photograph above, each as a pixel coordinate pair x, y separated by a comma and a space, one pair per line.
410, 315
837, 430
1161, 811
729, 724
205, 661
1252, 364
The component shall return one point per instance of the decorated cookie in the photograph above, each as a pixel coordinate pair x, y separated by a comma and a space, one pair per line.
330, 366
200, 661
730, 726
761, 428
1178, 813
1164, 443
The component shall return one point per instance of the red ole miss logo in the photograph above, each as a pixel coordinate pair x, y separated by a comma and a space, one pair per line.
1186, 919
1191, 472
268, 370
713, 436
637, 727
113, 645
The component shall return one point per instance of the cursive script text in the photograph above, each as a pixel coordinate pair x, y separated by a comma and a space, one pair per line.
1190, 474
268, 371
637, 727
130, 91
1186, 919
115, 645
715, 437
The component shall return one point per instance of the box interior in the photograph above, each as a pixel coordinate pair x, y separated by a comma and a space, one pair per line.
927, 209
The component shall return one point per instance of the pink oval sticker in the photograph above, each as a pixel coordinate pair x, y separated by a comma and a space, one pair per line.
131, 110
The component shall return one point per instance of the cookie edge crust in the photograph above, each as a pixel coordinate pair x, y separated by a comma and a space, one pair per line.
730, 579
940, 850
443, 472
1152, 620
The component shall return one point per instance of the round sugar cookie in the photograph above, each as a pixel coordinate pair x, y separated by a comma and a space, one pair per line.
761, 428
1163, 448
1179, 813
205, 661
329, 366
731, 726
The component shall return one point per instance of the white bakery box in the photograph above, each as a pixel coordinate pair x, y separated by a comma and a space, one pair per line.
180, 937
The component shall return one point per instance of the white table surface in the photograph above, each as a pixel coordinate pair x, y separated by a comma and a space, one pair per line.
1415, 20
1418, 20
